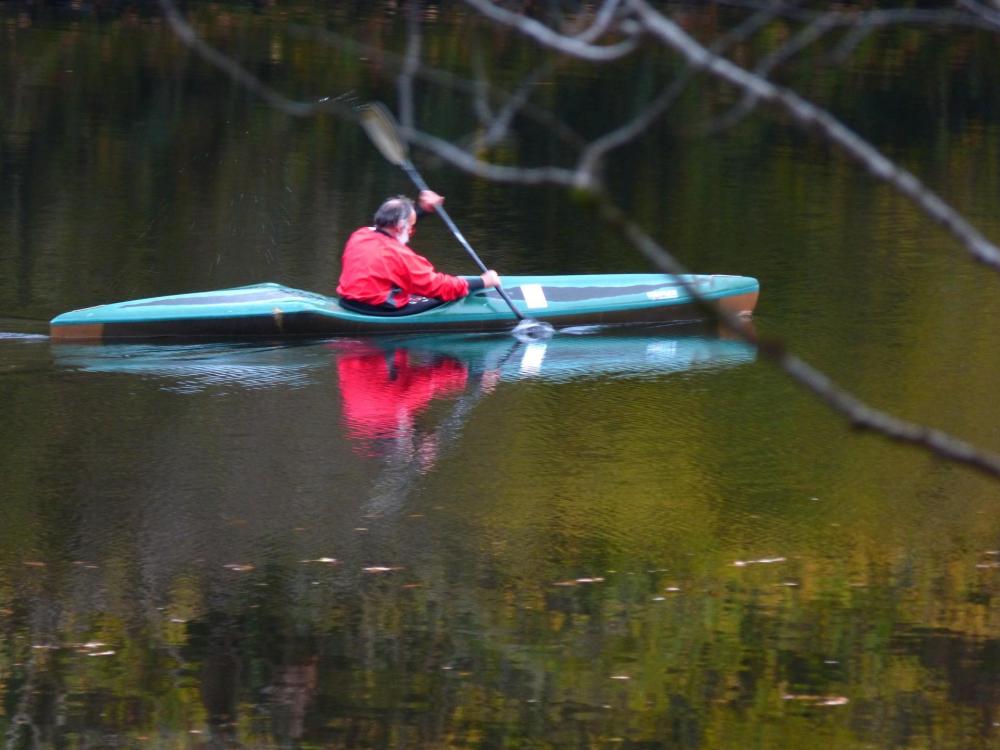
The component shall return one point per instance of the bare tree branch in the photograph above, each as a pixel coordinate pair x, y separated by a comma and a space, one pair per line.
803, 113
544, 35
859, 414
870, 18
411, 63
605, 15
989, 16
519, 175
443, 78
750, 26
243, 77
802, 40
481, 97
498, 127
596, 150
592, 155
808, 115
585, 176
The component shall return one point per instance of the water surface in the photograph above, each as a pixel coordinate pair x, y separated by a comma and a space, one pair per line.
644, 538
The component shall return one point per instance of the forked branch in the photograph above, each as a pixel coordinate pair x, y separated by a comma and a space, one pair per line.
644, 21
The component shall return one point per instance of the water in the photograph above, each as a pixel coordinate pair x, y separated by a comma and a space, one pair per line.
642, 538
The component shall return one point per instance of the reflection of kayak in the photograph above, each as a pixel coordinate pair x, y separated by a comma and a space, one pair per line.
192, 367
273, 310
567, 357
195, 367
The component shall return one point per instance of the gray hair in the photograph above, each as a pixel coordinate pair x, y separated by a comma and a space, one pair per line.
393, 212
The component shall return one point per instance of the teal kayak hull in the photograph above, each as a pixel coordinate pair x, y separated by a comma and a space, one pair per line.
273, 310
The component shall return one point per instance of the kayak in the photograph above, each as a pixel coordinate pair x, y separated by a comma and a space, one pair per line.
277, 311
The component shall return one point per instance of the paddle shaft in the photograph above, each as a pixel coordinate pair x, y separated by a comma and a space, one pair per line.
414, 175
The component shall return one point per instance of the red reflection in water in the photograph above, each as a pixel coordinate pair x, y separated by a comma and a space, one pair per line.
383, 391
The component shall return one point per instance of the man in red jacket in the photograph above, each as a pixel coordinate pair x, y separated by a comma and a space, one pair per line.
382, 275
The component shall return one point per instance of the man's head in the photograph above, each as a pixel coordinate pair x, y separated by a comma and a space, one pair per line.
397, 217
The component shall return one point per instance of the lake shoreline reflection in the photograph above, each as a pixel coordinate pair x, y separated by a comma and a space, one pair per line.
637, 538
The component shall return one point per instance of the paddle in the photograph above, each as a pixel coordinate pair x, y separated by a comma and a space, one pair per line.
381, 127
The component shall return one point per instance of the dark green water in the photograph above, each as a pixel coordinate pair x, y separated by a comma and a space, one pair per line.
647, 540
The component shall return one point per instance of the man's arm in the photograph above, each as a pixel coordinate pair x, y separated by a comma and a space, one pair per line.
428, 202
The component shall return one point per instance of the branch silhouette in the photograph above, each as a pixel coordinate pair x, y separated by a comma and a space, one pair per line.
626, 22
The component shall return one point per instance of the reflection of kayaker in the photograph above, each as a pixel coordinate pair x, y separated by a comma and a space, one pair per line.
383, 391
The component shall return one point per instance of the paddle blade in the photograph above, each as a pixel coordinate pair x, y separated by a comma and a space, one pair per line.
381, 127
533, 330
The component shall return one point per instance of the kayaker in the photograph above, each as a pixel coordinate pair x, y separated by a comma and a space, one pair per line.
381, 275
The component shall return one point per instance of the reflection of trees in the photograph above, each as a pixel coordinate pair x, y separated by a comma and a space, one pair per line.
377, 661
474, 636
743, 51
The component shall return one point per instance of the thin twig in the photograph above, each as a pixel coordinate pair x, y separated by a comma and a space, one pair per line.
544, 35
411, 63
878, 17
238, 73
440, 77
481, 92
499, 126
989, 16
802, 40
605, 15
595, 151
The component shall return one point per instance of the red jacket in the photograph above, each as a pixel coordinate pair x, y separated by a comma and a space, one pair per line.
375, 265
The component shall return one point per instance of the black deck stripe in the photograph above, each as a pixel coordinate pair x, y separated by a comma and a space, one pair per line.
210, 299
552, 293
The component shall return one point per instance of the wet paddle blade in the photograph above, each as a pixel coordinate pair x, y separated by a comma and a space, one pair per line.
381, 127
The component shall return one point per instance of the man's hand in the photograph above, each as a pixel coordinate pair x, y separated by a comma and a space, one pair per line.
428, 200
490, 279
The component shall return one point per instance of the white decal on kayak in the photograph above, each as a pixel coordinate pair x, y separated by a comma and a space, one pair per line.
666, 293
531, 362
534, 296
